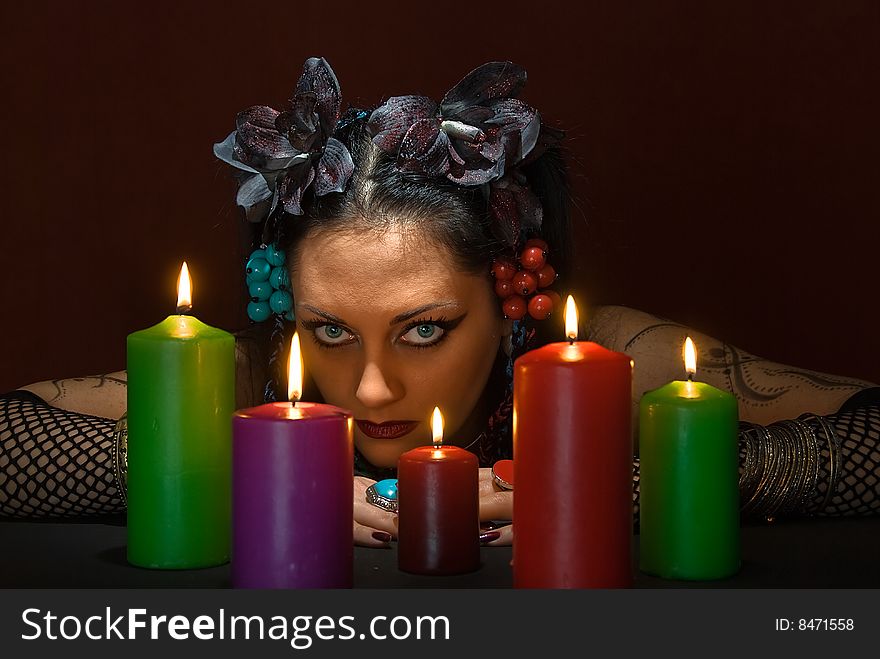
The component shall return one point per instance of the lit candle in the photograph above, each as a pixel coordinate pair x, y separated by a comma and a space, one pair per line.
572, 457
292, 492
181, 394
689, 503
438, 508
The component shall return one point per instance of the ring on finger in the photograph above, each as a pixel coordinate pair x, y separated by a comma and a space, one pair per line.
502, 474
383, 495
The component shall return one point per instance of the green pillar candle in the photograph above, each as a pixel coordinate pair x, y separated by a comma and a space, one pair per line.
181, 396
689, 505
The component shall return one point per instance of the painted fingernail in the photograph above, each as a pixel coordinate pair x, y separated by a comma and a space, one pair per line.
381, 536
488, 526
489, 536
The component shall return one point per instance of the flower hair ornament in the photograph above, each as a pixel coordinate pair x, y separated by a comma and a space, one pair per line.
279, 155
480, 134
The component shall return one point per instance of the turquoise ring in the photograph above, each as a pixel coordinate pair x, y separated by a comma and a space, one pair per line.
383, 495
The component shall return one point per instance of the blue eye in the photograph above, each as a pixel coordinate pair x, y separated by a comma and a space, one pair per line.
333, 335
423, 334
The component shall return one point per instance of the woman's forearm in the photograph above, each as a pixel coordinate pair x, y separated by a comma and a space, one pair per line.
765, 391
105, 395
98, 395
54, 462
832, 471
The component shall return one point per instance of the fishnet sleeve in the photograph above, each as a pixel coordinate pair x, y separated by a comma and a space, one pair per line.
856, 491
54, 463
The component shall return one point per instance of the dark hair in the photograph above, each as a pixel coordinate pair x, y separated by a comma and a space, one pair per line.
378, 197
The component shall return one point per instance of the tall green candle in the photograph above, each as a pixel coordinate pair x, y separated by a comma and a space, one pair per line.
181, 396
689, 504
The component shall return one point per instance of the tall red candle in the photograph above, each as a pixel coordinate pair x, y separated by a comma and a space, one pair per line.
572, 451
438, 509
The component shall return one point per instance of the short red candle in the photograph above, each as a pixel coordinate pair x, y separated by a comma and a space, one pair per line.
438, 511
572, 453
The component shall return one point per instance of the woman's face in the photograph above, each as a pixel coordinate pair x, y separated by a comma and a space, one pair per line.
391, 328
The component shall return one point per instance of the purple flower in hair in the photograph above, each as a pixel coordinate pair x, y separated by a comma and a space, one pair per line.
280, 154
514, 207
477, 131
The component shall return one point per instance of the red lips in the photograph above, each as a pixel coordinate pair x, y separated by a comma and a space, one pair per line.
386, 430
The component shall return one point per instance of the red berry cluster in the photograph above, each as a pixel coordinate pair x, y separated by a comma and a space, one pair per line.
523, 285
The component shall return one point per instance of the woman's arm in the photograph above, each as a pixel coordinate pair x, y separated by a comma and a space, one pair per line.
773, 396
766, 391
98, 395
105, 395
59, 449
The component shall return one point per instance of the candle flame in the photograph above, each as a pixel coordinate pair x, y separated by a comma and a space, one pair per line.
294, 370
184, 290
690, 356
437, 426
571, 319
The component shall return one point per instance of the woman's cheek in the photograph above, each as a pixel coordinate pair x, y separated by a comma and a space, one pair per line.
330, 375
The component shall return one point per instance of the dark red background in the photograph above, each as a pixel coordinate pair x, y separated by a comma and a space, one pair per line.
725, 156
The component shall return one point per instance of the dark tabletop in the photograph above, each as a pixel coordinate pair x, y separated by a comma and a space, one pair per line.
808, 553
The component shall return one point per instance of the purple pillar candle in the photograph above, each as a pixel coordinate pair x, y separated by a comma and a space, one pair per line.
292, 493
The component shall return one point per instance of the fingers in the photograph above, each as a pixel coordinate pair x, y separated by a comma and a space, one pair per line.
376, 518
496, 505
499, 537
373, 527
487, 482
367, 514
364, 536
361, 483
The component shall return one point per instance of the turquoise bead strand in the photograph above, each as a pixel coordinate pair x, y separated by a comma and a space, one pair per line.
268, 284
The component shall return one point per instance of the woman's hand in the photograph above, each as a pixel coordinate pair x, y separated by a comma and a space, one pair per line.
495, 504
373, 527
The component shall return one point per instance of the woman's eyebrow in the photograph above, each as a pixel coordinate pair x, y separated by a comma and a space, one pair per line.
323, 314
418, 311
394, 321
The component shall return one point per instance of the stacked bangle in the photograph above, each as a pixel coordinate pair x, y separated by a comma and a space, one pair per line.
120, 457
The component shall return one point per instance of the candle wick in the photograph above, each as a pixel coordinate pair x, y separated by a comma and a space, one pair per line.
690, 377
570, 341
293, 403
184, 309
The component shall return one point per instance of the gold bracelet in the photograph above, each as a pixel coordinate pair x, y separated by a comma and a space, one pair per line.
120, 457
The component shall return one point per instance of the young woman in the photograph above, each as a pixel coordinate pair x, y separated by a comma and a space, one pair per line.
416, 249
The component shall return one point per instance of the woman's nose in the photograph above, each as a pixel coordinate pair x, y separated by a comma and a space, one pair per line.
373, 389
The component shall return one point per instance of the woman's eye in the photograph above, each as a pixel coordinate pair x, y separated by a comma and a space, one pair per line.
423, 334
333, 335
